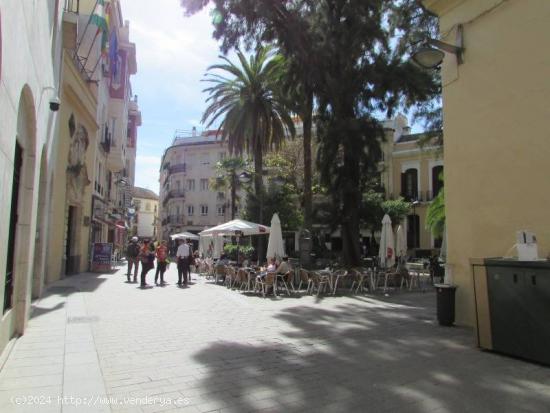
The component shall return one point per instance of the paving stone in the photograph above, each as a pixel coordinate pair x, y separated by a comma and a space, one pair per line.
221, 350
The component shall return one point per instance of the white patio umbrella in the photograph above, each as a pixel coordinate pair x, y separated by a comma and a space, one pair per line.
387, 248
401, 243
185, 235
275, 245
230, 228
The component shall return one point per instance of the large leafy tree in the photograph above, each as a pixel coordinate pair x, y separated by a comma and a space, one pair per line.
247, 100
355, 62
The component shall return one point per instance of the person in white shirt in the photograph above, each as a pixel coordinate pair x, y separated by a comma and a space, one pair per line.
182, 255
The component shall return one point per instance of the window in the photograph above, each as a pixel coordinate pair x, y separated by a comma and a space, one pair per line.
190, 184
204, 184
204, 210
409, 184
148, 207
413, 231
221, 210
137, 204
205, 159
190, 210
221, 196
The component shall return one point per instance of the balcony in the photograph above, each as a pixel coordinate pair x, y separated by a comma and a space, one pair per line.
173, 193
421, 196
176, 168
174, 220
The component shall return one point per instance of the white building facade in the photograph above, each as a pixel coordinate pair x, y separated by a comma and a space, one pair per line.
29, 81
187, 201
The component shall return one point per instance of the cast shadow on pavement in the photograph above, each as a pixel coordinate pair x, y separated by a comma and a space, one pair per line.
383, 355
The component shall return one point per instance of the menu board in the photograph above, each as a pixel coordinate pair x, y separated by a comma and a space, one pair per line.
101, 256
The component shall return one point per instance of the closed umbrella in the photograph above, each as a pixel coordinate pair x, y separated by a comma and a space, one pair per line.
387, 248
275, 245
401, 243
218, 246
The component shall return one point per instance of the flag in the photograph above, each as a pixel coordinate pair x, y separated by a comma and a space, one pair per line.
100, 17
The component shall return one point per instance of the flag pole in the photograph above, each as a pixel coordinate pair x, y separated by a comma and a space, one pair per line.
86, 27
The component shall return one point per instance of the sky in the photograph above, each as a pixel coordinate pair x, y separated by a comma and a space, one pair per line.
173, 52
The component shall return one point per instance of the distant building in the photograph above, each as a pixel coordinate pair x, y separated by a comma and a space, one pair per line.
188, 166
411, 168
146, 205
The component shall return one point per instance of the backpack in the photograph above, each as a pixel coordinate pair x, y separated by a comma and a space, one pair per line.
133, 250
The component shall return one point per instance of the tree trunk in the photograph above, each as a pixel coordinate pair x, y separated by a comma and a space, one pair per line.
258, 190
307, 124
233, 193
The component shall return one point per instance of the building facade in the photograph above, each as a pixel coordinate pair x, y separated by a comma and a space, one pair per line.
29, 83
187, 201
496, 145
411, 168
63, 78
146, 205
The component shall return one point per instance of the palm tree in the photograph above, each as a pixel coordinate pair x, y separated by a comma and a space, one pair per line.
254, 116
227, 177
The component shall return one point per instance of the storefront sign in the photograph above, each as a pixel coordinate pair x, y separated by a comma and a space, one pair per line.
101, 256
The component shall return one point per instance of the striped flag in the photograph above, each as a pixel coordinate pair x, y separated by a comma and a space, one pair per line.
100, 17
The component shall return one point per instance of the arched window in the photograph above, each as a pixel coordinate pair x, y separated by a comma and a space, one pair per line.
409, 184
437, 179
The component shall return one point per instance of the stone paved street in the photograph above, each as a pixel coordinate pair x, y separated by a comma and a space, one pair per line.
97, 340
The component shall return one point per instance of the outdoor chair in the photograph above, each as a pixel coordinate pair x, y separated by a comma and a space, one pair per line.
230, 276
319, 283
242, 278
263, 284
220, 273
359, 276
337, 275
283, 280
392, 276
305, 279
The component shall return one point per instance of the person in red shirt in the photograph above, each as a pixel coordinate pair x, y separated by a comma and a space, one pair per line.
162, 256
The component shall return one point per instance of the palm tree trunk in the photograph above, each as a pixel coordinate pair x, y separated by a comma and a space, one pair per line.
233, 193
307, 124
258, 190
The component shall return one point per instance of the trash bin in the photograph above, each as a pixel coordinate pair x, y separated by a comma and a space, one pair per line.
445, 304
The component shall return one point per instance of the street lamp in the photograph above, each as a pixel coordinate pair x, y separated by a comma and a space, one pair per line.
431, 53
414, 204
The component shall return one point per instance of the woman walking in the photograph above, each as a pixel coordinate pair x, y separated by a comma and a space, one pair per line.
147, 258
162, 256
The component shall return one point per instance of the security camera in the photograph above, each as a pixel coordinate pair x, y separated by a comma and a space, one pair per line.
54, 104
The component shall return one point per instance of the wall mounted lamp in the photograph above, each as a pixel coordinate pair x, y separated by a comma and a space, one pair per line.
431, 53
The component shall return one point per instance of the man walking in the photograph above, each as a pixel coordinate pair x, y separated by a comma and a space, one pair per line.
183, 256
132, 255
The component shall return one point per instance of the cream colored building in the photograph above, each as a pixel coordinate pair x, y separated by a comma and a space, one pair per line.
29, 81
411, 167
497, 142
187, 201
146, 204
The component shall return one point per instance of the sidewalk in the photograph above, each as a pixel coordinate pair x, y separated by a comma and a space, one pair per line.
97, 341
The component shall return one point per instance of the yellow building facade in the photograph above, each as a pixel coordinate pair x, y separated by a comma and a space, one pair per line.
71, 189
497, 142
411, 167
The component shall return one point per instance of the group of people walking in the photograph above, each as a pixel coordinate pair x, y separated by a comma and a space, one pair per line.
146, 253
